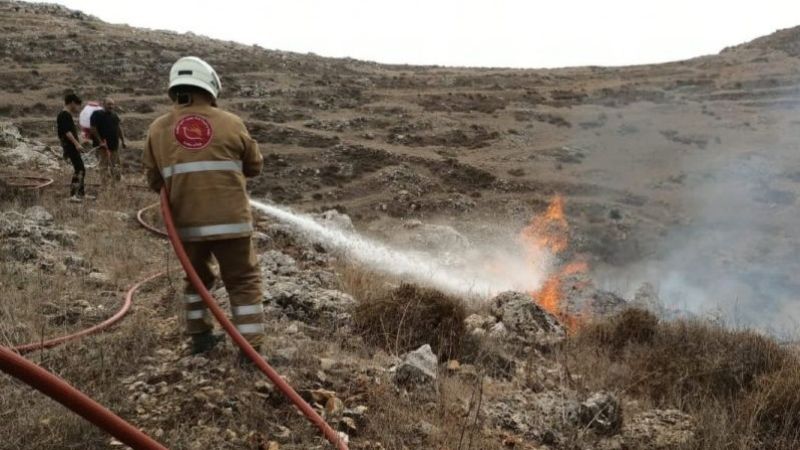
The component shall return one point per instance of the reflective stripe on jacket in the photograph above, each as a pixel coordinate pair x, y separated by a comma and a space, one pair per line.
203, 154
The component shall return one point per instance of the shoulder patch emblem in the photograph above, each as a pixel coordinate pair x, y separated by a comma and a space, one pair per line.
193, 132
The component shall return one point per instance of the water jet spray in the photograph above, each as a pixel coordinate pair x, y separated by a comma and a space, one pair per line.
480, 273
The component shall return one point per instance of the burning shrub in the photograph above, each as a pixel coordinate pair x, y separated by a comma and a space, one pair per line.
409, 316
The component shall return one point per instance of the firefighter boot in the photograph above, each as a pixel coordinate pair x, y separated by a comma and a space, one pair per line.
246, 363
204, 342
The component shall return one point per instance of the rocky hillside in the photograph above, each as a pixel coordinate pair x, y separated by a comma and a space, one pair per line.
639, 152
679, 184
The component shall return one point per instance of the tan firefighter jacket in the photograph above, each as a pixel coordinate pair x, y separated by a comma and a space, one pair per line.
203, 154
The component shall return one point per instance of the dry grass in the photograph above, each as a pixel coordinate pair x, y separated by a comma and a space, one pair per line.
773, 408
450, 420
632, 326
741, 387
115, 245
409, 316
95, 364
398, 318
37, 299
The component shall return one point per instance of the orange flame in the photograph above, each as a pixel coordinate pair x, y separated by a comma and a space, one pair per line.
549, 296
551, 232
574, 267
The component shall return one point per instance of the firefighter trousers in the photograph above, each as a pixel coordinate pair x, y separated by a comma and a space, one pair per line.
239, 271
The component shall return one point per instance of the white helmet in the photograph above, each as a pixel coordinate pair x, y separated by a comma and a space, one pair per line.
193, 71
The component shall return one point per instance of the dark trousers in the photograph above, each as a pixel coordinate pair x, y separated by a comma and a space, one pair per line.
109, 163
79, 172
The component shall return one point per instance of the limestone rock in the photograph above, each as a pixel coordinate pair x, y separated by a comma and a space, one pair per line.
523, 318
39, 215
418, 367
477, 321
300, 302
16, 151
334, 219
601, 412
435, 237
274, 262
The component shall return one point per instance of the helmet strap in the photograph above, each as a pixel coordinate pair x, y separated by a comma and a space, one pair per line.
184, 99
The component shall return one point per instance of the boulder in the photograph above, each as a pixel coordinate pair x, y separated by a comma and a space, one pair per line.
23, 153
435, 237
307, 303
99, 279
601, 412
334, 219
39, 215
507, 417
274, 262
418, 367
478, 321
523, 318
32, 235
605, 303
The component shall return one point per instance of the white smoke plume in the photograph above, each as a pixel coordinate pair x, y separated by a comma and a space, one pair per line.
733, 255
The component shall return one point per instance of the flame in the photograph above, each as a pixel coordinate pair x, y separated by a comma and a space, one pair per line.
550, 231
574, 267
549, 296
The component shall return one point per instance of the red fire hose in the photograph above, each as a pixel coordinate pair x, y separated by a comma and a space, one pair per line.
145, 224
92, 411
61, 391
26, 182
226, 324
58, 389
91, 330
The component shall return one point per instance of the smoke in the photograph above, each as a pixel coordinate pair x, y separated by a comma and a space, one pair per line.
733, 253
470, 272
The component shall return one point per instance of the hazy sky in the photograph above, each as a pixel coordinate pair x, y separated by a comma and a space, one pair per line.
514, 33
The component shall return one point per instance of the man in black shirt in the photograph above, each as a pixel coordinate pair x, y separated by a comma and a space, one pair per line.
107, 130
68, 135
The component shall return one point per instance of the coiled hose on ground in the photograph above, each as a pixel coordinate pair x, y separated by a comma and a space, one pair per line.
25, 181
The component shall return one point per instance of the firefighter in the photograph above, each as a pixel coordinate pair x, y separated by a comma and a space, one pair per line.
202, 155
